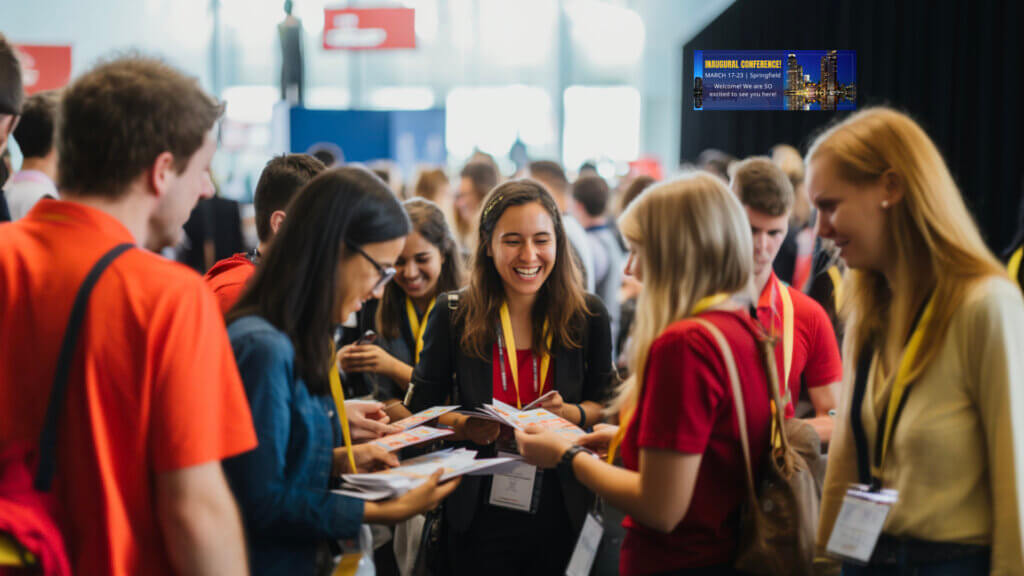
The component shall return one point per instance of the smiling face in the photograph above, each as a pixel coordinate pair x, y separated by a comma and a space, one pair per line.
851, 215
356, 276
419, 266
523, 246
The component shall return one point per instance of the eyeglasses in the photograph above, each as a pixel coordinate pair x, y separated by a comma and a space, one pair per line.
386, 272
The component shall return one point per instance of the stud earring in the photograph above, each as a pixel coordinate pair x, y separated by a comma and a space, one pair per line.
885, 204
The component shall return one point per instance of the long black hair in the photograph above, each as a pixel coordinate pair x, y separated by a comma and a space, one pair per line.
295, 286
429, 222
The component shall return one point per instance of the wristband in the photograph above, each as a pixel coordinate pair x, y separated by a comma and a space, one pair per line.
583, 416
566, 460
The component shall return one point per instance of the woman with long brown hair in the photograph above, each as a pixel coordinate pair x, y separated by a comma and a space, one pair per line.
523, 327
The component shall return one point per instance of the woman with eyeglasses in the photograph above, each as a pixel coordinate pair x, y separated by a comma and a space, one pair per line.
334, 251
522, 328
429, 264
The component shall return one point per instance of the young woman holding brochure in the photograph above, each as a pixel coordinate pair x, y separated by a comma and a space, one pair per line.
334, 251
523, 327
429, 264
683, 477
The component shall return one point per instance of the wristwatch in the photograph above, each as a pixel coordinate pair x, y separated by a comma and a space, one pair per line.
565, 462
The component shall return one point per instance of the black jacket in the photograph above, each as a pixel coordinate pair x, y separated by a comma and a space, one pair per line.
447, 374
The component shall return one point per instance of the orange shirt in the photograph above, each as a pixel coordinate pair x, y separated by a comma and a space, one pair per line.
153, 385
228, 279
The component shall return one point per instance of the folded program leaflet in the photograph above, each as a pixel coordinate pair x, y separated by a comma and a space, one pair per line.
423, 417
411, 437
518, 419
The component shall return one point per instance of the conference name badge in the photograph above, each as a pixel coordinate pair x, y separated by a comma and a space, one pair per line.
515, 488
860, 523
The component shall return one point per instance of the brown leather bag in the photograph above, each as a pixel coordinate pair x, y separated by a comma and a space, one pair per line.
779, 523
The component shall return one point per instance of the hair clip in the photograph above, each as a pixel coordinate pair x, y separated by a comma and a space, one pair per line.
492, 203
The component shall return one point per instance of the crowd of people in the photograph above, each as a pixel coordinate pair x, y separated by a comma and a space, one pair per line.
834, 316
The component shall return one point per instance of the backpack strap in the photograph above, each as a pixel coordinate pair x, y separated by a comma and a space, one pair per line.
48, 437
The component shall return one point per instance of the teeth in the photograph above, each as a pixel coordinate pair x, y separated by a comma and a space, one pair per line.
528, 272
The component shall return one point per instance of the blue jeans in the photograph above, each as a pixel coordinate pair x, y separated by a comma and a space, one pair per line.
967, 566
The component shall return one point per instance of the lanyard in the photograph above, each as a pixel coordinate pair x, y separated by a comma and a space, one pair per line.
417, 326
339, 402
1014, 266
628, 413
787, 341
897, 400
837, 285
510, 349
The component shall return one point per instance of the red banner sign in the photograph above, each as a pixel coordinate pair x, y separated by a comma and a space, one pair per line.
44, 67
369, 28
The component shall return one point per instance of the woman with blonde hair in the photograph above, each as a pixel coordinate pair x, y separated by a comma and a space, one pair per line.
684, 474
933, 350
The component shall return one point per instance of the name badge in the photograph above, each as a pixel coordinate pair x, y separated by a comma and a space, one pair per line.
860, 522
582, 559
515, 487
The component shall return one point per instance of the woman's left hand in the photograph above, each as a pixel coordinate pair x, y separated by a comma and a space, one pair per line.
542, 448
556, 405
367, 358
368, 457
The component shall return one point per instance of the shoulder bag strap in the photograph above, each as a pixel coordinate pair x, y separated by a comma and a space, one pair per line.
48, 437
737, 399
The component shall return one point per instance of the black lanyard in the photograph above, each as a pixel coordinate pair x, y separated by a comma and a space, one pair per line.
860, 385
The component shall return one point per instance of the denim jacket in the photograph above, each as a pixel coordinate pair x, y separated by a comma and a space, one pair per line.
282, 486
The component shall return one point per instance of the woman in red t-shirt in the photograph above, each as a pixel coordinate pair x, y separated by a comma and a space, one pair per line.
683, 478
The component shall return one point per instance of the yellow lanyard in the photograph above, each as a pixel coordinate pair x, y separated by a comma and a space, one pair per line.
418, 327
899, 387
787, 332
628, 413
513, 358
339, 402
1014, 266
837, 285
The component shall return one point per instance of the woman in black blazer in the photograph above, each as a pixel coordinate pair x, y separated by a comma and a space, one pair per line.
525, 300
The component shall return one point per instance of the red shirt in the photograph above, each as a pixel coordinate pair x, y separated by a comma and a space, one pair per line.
228, 279
686, 405
816, 359
153, 387
527, 392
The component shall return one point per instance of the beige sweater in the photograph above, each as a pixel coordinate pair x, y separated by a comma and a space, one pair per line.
952, 457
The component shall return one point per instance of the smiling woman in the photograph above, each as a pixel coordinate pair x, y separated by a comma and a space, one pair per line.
523, 327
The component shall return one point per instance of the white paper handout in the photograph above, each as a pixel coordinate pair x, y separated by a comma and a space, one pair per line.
423, 417
417, 435
413, 472
518, 419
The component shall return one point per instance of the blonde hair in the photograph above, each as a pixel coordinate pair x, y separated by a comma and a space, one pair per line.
693, 241
930, 232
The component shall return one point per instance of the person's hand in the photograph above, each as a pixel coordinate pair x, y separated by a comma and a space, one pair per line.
424, 497
599, 439
420, 499
479, 430
540, 447
367, 420
365, 358
555, 404
368, 457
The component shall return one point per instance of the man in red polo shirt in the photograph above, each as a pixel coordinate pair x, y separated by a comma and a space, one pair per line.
807, 351
154, 401
282, 177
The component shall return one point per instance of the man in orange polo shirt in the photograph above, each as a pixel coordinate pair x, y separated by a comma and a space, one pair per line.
807, 352
282, 177
154, 401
